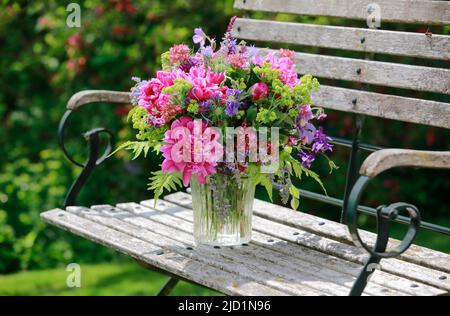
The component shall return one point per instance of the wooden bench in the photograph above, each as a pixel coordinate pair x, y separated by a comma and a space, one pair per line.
293, 253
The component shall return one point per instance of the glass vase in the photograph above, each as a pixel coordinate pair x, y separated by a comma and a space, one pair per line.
223, 209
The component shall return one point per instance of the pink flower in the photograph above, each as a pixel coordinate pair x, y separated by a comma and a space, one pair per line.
191, 147
237, 60
286, 53
287, 67
206, 84
157, 103
179, 54
259, 91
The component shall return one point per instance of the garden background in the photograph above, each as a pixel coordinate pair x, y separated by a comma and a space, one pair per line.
43, 62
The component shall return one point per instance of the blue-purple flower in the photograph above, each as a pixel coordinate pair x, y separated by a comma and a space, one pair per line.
233, 102
321, 142
306, 159
199, 36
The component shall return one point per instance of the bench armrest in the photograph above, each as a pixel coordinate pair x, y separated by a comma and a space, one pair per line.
93, 96
385, 159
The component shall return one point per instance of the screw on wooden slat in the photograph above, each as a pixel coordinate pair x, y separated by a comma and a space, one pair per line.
245, 245
216, 247
321, 223
159, 253
270, 240
189, 248
61, 214
354, 101
238, 28
363, 40
414, 286
295, 234
358, 71
443, 277
384, 290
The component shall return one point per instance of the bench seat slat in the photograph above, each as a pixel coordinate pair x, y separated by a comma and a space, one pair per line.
265, 265
346, 38
225, 282
422, 256
392, 107
342, 250
291, 249
407, 11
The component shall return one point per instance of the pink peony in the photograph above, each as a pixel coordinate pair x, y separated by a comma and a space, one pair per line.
206, 84
259, 91
191, 147
157, 103
287, 67
237, 60
179, 54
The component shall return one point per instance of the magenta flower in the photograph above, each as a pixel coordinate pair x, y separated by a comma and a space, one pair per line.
191, 147
259, 91
206, 84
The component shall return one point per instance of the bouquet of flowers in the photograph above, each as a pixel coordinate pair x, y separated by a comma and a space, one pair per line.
186, 110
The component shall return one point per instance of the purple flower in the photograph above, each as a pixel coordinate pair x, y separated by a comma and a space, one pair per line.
233, 102
232, 108
207, 51
205, 106
188, 64
199, 36
304, 114
306, 133
306, 159
321, 142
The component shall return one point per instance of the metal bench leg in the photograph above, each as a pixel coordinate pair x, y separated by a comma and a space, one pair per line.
167, 287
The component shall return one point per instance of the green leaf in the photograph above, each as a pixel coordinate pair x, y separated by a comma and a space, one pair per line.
294, 192
316, 177
295, 203
161, 181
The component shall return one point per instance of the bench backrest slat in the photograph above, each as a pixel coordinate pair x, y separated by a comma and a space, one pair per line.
408, 11
376, 73
348, 38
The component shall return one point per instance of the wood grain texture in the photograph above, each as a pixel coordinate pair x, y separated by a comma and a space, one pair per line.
411, 271
293, 249
408, 11
183, 266
385, 159
346, 38
419, 255
411, 110
373, 72
93, 96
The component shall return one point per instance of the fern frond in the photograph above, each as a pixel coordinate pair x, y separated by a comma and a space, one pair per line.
161, 181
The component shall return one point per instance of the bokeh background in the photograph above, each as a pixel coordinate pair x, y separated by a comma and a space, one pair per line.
43, 62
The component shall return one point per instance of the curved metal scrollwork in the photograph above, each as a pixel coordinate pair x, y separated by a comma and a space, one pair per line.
385, 215
94, 159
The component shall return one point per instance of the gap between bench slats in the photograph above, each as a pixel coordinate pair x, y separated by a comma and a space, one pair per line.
174, 263
145, 224
180, 219
418, 11
348, 252
346, 38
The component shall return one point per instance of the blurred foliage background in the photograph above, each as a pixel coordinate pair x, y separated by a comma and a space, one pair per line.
43, 62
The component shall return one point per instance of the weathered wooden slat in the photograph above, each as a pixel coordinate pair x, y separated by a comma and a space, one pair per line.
373, 72
162, 236
419, 255
251, 261
346, 38
345, 251
317, 259
93, 96
385, 159
398, 108
174, 263
407, 11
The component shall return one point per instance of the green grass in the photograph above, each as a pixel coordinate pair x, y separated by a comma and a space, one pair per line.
119, 279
